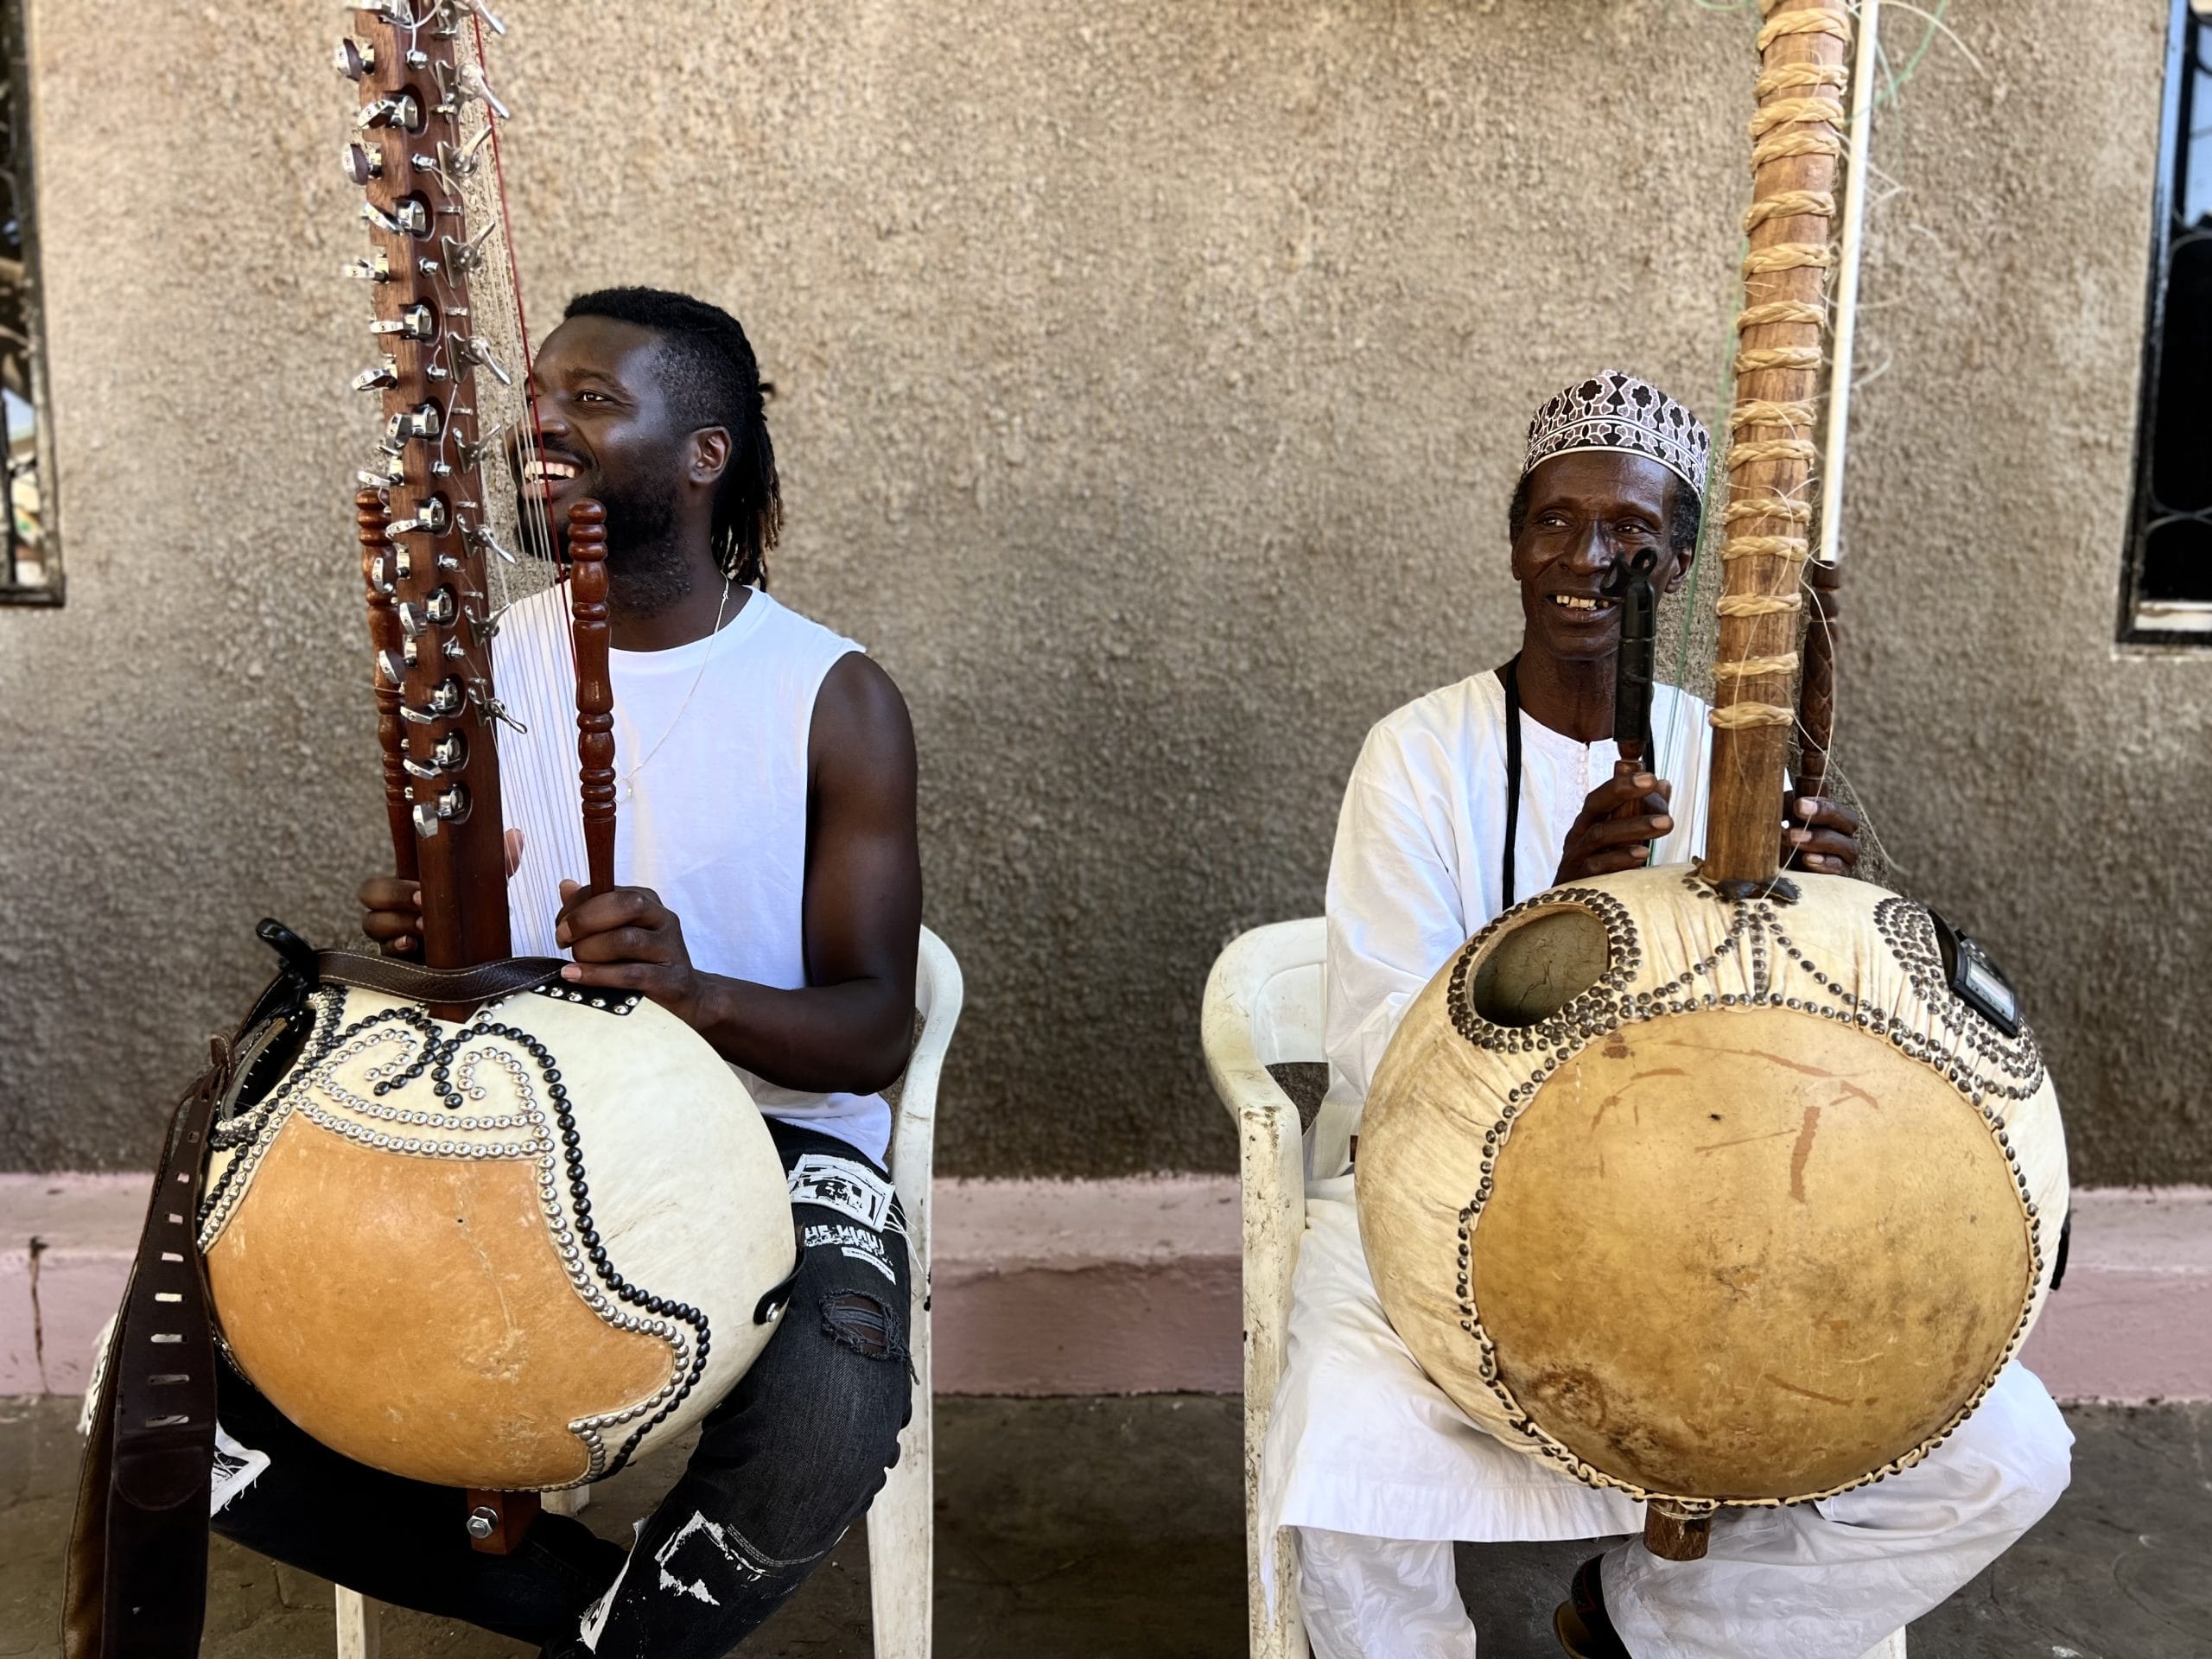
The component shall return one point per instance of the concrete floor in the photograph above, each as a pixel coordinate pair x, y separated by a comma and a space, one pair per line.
1110, 1529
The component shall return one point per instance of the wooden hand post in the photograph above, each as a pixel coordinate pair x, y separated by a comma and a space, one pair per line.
594, 690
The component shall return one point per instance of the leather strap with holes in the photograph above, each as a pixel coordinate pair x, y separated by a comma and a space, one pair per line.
395, 977
137, 1569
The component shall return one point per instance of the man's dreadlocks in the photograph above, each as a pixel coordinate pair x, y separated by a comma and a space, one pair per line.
713, 379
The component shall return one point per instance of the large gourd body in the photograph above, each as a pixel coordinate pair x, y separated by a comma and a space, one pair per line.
1709, 1199
508, 1253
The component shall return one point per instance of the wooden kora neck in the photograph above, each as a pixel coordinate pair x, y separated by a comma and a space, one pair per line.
1795, 154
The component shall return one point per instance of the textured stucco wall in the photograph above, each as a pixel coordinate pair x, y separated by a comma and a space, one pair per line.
1149, 384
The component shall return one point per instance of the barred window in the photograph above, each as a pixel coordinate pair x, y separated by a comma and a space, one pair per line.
30, 551
2166, 599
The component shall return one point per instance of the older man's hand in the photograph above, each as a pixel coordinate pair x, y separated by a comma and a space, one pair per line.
1618, 825
1819, 835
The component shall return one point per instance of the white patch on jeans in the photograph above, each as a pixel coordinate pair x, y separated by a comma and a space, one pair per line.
747, 1564
848, 1186
593, 1625
237, 1467
857, 1242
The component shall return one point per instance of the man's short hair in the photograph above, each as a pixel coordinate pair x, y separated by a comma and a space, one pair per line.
713, 379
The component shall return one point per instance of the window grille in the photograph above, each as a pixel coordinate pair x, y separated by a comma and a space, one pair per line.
2166, 595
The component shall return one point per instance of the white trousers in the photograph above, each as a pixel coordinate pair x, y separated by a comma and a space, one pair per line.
1824, 1580
1375, 1471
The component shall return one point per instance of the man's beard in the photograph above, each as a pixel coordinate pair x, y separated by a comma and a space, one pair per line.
646, 569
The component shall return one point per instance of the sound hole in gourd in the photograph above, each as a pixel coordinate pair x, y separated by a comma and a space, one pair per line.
1534, 970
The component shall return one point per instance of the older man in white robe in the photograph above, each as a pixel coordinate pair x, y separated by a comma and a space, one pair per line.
1445, 825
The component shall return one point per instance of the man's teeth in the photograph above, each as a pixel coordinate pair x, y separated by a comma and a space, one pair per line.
537, 472
1575, 601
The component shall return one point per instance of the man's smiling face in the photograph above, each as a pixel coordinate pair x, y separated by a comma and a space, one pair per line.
1587, 511
605, 430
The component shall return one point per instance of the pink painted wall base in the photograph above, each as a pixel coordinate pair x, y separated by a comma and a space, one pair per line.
1131, 1287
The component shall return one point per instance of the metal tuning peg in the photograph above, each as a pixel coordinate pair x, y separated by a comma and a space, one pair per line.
356, 59
483, 538
448, 755
363, 163
446, 701
388, 472
417, 321
422, 422
469, 156
409, 216
377, 268
385, 373
476, 352
485, 12
473, 454
440, 610
380, 573
451, 805
400, 110
391, 668
473, 84
463, 258
432, 517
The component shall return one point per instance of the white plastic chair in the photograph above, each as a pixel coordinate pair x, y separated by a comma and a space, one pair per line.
1263, 1007
901, 1530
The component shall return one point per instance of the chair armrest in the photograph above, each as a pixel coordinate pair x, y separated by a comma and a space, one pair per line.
939, 993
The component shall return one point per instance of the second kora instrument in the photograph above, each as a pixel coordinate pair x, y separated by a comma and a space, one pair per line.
1711, 1200
1709, 1185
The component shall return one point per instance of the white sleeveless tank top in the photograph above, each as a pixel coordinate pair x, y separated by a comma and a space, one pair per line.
710, 756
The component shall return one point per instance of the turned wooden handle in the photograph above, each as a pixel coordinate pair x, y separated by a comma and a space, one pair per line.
595, 692
386, 641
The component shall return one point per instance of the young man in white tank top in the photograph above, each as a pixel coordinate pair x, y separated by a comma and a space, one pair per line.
768, 894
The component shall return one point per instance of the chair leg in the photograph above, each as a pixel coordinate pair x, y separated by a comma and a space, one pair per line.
901, 1539
358, 1619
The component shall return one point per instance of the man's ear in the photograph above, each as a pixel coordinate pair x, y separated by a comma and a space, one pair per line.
1679, 567
710, 454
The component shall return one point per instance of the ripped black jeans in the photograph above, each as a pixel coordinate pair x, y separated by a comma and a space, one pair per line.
784, 1466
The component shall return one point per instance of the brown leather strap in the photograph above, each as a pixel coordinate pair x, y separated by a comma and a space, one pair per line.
137, 1571
395, 977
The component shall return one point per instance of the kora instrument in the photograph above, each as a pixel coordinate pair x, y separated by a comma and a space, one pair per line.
1707, 1199
1708, 1185
504, 1241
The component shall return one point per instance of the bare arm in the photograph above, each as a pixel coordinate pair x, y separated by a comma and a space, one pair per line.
851, 1025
